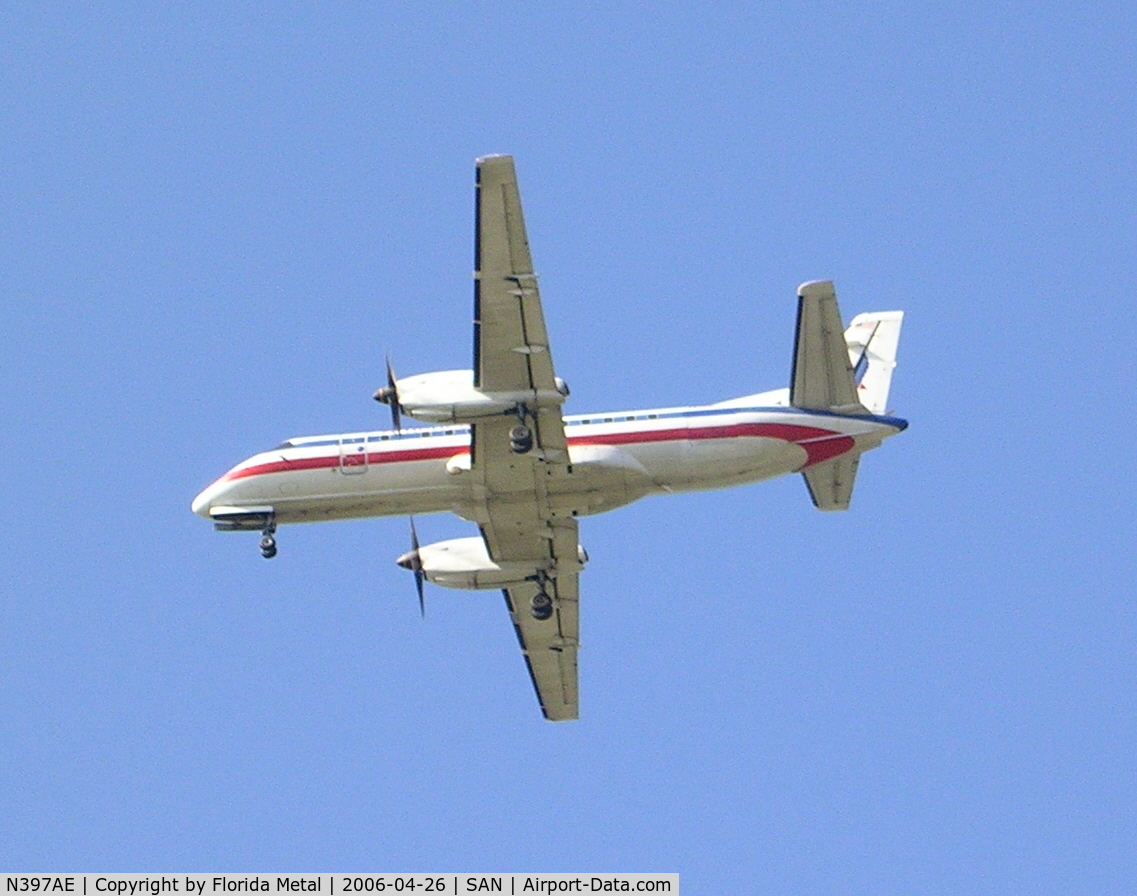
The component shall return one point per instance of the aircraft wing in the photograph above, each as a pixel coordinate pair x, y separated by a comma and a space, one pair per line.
550, 646
519, 523
511, 346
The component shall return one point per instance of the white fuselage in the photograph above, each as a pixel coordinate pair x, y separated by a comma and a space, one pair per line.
616, 458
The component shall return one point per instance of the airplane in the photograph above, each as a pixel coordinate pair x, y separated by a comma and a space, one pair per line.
500, 453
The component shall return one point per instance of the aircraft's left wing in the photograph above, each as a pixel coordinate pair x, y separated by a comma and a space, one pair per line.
520, 522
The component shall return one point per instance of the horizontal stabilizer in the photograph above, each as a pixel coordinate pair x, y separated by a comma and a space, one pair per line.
830, 484
822, 377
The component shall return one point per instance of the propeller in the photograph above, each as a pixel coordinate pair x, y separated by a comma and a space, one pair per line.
412, 561
389, 395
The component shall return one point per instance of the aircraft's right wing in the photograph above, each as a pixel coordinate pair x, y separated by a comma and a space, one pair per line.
822, 378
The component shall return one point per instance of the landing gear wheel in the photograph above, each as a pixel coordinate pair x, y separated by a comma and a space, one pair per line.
541, 606
521, 439
268, 547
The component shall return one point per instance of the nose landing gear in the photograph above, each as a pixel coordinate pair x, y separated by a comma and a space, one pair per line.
268, 542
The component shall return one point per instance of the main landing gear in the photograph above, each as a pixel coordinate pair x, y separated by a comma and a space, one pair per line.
521, 439
268, 542
521, 436
541, 606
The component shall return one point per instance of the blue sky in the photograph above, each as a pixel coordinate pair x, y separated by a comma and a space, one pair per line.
217, 220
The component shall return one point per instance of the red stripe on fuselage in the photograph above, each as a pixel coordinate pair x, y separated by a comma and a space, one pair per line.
819, 445
333, 460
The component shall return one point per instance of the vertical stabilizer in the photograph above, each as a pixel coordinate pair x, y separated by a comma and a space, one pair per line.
842, 373
872, 340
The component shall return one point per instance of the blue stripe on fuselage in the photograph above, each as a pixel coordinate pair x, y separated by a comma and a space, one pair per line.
601, 419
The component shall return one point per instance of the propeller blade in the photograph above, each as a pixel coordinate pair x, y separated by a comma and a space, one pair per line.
420, 576
412, 561
396, 416
389, 395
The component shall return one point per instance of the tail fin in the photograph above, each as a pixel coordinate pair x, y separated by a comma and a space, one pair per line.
849, 376
872, 339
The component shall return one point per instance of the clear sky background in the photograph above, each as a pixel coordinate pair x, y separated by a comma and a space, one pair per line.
215, 223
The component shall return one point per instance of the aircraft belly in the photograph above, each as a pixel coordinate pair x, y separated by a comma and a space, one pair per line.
603, 477
608, 476
716, 463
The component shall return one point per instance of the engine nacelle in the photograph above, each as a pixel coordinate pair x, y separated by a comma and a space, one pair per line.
449, 396
465, 563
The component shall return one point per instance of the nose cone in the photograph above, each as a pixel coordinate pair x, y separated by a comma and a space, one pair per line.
200, 504
410, 560
203, 502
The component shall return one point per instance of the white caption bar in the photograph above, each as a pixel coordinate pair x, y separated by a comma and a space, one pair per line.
334, 884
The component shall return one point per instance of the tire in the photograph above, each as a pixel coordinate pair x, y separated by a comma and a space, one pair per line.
521, 439
541, 606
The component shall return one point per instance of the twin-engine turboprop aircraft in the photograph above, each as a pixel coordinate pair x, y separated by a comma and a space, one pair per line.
502, 455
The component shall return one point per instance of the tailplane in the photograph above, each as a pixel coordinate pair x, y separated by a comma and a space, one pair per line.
831, 484
822, 377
